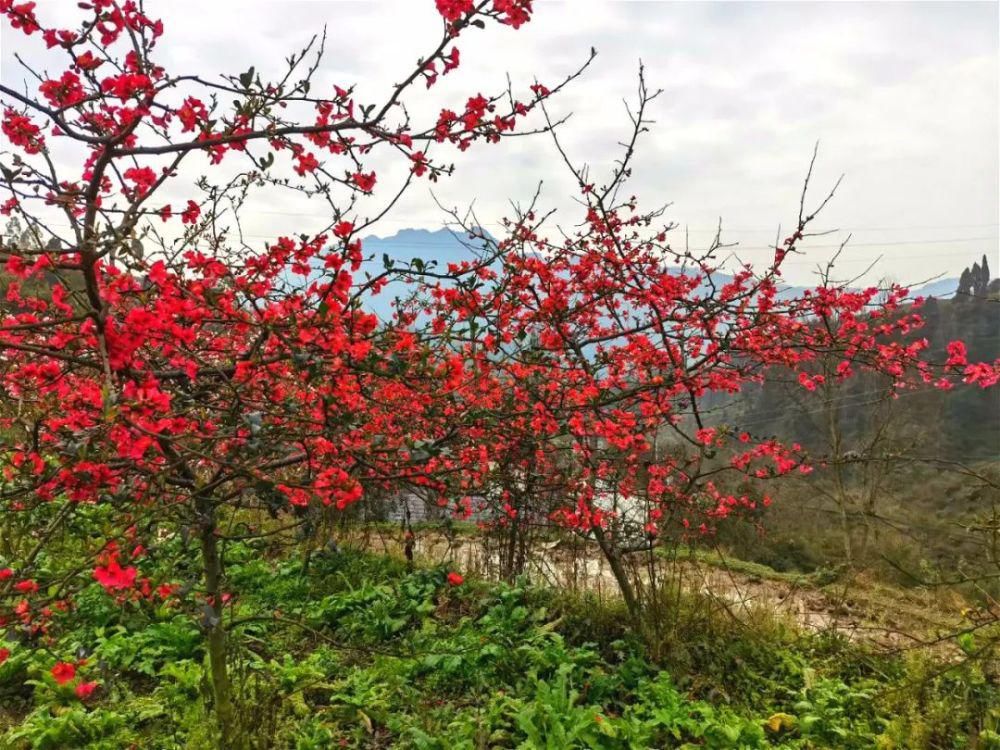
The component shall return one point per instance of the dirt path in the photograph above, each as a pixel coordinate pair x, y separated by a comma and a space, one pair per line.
858, 609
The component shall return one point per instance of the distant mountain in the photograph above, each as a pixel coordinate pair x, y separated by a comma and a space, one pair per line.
942, 289
444, 246
436, 248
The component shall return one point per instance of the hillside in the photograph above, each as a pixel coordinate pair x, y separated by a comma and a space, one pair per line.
963, 423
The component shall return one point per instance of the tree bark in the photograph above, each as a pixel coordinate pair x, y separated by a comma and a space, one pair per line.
625, 587
221, 687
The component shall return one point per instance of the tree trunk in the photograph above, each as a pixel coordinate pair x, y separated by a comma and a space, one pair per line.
625, 587
221, 688
836, 440
845, 528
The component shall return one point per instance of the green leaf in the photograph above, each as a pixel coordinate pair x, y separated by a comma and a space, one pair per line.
967, 642
246, 79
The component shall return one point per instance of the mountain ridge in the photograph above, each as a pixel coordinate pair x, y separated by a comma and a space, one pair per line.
405, 244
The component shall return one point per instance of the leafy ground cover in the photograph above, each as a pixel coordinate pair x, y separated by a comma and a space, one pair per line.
355, 650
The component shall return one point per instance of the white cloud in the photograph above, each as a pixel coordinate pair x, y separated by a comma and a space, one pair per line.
903, 98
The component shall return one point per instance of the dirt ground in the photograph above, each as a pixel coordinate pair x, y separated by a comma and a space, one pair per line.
856, 608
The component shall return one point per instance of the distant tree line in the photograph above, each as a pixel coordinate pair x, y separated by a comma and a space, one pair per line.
975, 281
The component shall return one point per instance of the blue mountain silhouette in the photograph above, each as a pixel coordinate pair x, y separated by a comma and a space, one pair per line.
436, 248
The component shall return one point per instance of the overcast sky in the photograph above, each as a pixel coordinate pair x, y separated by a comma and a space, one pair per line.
902, 97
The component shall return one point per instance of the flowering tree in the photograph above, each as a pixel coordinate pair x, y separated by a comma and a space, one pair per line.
157, 366
605, 349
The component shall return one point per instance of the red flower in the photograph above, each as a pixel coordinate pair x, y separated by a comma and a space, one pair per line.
21, 131
4, 655
64, 92
419, 163
191, 213
84, 689
192, 113
705, 436
143, 177
307, 163
452, 10
63, 672
126, 85
58, 37
22, 16
88, 61
164, 590
26, 587
455, 579
6, 573
343, 229
983, 373
516, 12
451, 60
957, 354
114, 576
364, 181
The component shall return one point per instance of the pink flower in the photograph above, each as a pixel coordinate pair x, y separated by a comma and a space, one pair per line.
957, 354
705, 436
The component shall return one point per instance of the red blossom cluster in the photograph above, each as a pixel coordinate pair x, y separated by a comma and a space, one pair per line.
65, 672
198, 378
598, 352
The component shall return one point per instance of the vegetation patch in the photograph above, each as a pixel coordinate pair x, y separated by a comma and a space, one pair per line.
381, 656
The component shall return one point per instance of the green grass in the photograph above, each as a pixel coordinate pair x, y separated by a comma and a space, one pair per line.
366, 654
